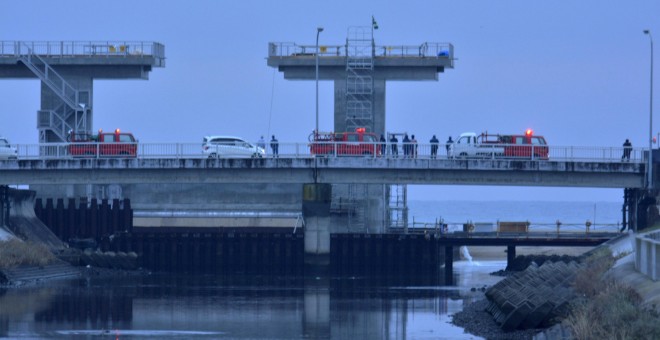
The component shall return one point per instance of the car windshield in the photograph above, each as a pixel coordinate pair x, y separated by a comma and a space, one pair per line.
538, 140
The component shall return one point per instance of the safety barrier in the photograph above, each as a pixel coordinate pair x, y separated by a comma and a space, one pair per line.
423, 50
59, 49
430, 152
647, 254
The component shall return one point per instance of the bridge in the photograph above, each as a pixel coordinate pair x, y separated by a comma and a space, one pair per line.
184, 163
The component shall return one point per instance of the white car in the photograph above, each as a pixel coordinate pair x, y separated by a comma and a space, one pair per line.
6, 150
230, 147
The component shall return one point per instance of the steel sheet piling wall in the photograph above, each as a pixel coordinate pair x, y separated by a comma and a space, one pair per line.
88, 220
218, 249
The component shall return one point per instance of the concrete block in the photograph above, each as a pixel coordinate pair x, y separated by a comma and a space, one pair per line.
537, 316
516, 317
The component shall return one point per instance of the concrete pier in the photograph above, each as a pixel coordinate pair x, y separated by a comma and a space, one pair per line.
316, 212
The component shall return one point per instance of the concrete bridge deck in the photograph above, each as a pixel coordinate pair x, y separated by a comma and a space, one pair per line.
324, 170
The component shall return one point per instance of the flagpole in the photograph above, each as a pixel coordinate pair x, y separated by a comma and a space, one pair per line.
374, 26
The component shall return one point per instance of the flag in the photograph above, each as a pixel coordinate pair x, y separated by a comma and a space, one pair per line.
374, 24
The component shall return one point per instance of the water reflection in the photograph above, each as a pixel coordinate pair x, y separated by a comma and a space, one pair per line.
178, 306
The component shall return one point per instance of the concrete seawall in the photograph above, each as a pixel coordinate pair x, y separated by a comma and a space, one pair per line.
647, 254
24, 224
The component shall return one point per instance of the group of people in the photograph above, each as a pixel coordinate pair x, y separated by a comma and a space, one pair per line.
274, 145
409, 147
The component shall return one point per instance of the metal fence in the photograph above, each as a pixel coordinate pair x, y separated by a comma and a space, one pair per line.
425, 50
55, 49
302, 150
534, 229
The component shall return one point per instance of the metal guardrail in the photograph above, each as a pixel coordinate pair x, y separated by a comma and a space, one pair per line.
647, 248
534, 230
424, 50
302, 150
63, 49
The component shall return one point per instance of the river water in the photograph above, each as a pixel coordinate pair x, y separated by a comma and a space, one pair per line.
215, 306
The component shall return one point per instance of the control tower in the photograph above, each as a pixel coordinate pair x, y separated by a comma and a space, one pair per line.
67, 70
360, 69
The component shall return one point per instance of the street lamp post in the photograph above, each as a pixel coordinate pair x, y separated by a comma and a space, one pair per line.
318, 31
650, 166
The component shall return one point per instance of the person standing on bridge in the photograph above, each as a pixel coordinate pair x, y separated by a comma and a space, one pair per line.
434, 147
261, 143
448, 146
627, 148
274, 145
382, 145
406, 146
413, 147
395, 148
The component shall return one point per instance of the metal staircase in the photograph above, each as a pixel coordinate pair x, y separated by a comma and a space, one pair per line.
398, 206
359, 79
71, 114
357, 196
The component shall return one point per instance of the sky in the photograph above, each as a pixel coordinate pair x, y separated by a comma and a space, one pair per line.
577, 72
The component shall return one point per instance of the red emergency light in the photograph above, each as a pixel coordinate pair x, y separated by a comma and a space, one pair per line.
360, 130
117, 131
528, 132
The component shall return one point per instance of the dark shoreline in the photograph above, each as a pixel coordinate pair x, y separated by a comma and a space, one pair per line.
477, 321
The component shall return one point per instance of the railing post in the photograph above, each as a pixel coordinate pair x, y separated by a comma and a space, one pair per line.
558, 226
587, 225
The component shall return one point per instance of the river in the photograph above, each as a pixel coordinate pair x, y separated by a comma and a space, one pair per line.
242, 306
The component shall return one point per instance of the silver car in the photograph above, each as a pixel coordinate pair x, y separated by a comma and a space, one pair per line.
6, 150
230, 147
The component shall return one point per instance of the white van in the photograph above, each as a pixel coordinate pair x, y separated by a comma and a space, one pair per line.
230, 147
6, 150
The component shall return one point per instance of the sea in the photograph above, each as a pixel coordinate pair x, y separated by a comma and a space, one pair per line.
314, 306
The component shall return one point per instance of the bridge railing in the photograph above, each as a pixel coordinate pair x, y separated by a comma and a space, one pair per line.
424, 50
420, 151
490, 229
58, 49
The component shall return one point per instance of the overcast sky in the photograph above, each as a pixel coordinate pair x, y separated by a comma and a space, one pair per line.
576, 72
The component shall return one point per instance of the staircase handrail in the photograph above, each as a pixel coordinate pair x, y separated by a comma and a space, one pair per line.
62, 90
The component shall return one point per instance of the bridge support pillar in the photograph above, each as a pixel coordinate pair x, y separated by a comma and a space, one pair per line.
642, 208
510, 254
4, 205
316, 211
